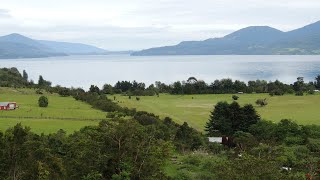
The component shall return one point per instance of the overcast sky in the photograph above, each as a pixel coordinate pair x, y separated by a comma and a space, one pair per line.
139, 24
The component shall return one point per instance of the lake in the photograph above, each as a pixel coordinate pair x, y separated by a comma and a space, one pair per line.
82, 71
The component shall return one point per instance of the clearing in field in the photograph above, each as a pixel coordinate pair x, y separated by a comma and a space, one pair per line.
195, 109
62, 113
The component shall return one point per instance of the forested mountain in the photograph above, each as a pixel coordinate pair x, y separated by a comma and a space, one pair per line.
254, 40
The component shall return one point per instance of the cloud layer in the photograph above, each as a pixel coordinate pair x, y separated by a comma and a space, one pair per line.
4, 13
139, 24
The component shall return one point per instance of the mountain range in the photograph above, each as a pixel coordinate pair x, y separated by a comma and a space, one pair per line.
14, 46
253, 40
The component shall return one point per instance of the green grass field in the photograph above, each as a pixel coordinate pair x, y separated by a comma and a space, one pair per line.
182, 108
50, 119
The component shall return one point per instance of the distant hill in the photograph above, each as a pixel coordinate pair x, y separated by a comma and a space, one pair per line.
17, 46
254, 40
73, 48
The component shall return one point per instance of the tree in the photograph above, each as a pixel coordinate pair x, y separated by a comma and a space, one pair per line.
192, 80
43, 101
234, 97
317, 83
299, 85
226, 119
43, 83
25, 75
187, 139
94, 89
107, 89
177, 88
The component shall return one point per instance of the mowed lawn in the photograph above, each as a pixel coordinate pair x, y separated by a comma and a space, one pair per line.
196, 111
50, 119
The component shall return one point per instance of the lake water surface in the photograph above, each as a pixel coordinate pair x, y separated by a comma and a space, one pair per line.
82, 71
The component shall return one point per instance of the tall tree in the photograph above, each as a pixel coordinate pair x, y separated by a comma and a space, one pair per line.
299, 85
226, 119
43, 83
25, 75
317, 83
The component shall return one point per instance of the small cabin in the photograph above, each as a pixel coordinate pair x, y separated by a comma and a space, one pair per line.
215, 139
8, 105
226, 141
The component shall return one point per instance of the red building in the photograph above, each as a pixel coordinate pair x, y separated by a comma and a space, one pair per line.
8, 105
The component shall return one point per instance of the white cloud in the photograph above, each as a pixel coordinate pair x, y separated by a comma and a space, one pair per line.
138, 24
4, 13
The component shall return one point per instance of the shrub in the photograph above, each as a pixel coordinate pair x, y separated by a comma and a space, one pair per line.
43, 101
234, 97
262, 102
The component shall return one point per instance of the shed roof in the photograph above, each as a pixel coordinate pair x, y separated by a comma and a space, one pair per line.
215, 139
5, 103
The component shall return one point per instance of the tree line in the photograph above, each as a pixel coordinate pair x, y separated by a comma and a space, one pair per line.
223, 86
11, 77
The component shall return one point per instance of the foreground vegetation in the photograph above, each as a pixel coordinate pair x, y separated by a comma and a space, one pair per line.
146, 147
135, 144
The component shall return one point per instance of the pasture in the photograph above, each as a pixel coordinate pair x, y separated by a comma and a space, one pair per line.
195, 109
62, 112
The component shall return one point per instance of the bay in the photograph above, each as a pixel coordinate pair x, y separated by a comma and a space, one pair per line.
83, 71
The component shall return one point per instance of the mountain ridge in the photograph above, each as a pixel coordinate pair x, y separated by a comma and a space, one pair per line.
13, 46
252, 40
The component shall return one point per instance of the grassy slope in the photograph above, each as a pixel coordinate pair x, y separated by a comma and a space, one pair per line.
304, 110
59, 107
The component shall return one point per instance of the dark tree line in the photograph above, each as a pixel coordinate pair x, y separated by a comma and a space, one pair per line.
223, 86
